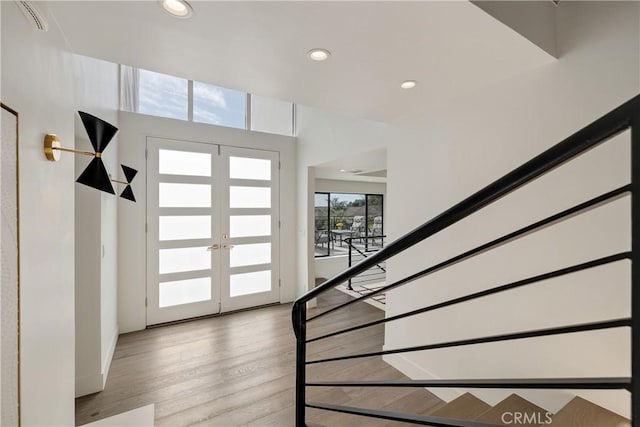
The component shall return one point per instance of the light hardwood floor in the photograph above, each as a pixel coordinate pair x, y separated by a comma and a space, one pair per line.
239, 370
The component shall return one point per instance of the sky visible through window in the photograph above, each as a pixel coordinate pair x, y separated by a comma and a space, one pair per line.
219, 106
163, 95
167, 96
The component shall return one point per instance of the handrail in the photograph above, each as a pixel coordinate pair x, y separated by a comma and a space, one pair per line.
351, 246
581, 141
620, 119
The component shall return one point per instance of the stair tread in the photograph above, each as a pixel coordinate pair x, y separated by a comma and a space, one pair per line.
465, 407
503, 413
582, 413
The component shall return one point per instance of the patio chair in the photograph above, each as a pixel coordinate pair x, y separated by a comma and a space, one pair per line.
357, 227
377, 229
321, 237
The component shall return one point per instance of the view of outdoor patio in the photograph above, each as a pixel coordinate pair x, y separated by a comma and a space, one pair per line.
342, 216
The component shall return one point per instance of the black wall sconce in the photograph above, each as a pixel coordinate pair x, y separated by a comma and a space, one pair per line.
129, 174
95, 174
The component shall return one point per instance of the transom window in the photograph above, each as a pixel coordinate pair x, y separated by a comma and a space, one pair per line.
162, 95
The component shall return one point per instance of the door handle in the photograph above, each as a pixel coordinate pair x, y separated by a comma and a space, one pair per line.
213, 247
227, 247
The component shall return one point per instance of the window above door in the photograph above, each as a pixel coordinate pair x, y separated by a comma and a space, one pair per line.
162, 95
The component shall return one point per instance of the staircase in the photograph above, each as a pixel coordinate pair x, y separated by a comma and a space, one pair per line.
376, 394
512, 411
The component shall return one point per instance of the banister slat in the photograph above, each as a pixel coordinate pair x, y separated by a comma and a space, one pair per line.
486, 292
584, 327
617, 383
398, 416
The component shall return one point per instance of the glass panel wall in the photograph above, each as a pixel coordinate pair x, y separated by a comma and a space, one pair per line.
342, 216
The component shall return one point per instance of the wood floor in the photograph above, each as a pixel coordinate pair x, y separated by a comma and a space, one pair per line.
239, 370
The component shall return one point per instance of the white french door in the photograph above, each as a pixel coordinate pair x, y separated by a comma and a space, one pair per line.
212, 229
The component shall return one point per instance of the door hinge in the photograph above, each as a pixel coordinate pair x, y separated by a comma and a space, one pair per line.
146, 227
279, 283
279, 224
146, 302
279, 165
146, 153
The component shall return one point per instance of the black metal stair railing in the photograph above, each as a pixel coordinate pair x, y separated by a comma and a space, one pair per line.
623, 118
365, 247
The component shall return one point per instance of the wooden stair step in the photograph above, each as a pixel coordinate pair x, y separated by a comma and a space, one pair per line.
419, 401
394, 400
515, 410
466, 407
582, 413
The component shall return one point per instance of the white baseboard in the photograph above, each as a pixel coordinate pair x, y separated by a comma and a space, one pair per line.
89, 384
617, 401
106, 365
94, 383
414, 371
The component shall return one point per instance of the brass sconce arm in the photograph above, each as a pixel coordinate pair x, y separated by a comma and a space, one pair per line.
69, 150
52, 149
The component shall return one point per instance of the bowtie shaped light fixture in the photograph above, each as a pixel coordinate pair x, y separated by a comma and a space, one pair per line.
95, 174
129, 174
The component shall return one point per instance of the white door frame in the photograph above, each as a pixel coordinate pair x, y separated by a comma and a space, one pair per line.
220, 240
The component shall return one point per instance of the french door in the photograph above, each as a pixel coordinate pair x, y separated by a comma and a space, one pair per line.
212, 229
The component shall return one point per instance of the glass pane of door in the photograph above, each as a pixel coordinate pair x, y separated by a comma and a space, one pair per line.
250, 168
250, 225
177, 260
184, 227
174, 162
174, 195
250, 283
252, 254
184, 291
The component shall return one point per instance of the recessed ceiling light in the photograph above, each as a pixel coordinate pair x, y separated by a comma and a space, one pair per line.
177, 8
408, 84
342, 170
318, 54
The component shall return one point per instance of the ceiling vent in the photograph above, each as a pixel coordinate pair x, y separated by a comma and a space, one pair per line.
33, 15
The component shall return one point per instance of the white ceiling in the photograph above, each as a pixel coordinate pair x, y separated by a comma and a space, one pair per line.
450, 47
370, 161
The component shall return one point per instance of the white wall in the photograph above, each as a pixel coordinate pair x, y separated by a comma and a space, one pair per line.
344, 186
324, 137
535, 20
475, 141
328, 267
37, 81
96, 92
134, 129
